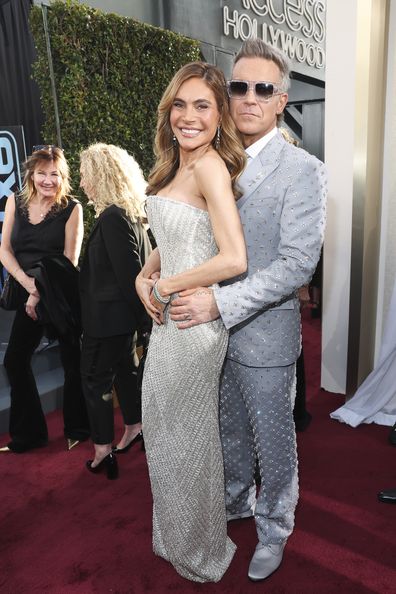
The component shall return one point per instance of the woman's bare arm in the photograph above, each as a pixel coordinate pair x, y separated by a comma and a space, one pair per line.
74, 233
214, 183
7, 256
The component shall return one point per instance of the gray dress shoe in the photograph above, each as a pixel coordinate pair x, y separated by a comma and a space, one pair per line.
266, 560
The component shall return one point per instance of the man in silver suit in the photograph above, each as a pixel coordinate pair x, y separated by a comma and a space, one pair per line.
283, 214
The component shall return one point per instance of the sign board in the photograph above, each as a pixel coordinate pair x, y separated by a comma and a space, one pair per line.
12, 155
297, 27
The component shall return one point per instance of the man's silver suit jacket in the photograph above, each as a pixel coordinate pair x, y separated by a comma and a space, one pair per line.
283, 215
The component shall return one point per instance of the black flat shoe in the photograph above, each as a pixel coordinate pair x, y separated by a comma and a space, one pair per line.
21, 448
388, 496
109, 464
302, 423
139, 437
392, 435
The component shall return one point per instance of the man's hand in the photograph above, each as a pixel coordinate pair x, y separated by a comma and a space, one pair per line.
193, 307
303, 295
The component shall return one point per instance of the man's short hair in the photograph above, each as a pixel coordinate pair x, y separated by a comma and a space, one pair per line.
256, 48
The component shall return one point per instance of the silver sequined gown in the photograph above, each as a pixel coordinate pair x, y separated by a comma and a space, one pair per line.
180, 411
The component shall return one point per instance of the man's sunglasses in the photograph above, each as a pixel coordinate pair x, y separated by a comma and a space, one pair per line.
40, 147
264, 91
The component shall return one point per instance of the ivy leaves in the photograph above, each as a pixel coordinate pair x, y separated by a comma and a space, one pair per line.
110, 73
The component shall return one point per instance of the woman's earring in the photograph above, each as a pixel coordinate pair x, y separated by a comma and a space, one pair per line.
174, 140
217, 143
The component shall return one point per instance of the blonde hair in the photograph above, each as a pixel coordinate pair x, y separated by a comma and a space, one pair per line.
287, 136
166, 150
116, 178
46, 154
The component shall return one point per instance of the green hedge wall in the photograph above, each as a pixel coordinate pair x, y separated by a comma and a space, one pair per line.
110, 73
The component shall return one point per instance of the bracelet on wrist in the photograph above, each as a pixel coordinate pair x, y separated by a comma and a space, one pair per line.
158, 296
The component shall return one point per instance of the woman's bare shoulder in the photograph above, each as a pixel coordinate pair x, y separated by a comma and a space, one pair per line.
10, 204
210, 164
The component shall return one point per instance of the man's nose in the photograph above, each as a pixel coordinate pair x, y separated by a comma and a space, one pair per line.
250, 96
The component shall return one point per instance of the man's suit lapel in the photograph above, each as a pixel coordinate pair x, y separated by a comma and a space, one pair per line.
262, 166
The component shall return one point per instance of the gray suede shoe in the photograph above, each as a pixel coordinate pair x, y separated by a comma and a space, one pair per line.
266, 560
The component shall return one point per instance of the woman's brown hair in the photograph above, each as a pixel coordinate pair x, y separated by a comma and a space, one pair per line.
166, 150
47, 154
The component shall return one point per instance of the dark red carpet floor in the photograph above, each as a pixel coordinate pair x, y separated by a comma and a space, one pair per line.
65, 531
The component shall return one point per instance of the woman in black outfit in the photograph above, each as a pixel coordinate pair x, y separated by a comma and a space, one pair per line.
111, 310
41, 238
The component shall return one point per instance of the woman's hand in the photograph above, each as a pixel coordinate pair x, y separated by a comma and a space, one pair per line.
159, 306
27, 282
30, 285
30, 307
144, 288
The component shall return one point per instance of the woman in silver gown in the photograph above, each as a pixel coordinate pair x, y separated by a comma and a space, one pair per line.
192, 213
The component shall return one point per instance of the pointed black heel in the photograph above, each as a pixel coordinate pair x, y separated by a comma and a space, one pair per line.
139, 437
109, 464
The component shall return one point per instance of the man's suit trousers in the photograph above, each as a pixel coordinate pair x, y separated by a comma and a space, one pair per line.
256, 422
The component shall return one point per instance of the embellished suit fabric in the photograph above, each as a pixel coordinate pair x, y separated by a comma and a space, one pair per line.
180, 411
282, 210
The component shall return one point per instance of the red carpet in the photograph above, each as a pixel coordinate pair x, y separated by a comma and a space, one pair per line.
65, 531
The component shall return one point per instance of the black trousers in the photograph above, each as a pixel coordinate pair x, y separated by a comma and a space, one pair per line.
301, 416
106, 362
28, 427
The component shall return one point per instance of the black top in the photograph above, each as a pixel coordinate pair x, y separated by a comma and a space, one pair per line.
31, 243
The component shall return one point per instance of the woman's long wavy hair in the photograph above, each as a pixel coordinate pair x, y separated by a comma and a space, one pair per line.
115, 178
47, 154
167, 151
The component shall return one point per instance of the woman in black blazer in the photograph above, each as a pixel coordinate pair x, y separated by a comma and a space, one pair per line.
112, 312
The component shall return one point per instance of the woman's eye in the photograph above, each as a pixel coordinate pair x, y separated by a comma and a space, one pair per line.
177, 104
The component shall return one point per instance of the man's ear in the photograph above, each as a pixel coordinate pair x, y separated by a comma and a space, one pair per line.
282, 103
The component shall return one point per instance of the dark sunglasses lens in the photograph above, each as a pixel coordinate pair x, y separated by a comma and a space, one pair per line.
264, 90
238, 88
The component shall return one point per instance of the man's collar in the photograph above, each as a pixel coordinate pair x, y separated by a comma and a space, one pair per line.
254, 149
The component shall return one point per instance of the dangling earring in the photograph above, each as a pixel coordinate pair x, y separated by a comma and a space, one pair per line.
174, 140
217, 142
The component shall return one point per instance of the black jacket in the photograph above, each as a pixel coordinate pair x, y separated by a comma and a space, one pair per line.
114, 255
59, 306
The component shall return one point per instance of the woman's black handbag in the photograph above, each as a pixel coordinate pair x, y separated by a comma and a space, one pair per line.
11, 294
